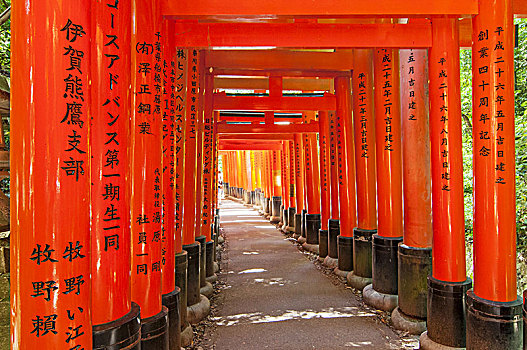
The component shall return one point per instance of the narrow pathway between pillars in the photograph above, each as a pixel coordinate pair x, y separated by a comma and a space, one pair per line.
275, 298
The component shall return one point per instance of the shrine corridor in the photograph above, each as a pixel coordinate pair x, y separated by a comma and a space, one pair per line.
276, 298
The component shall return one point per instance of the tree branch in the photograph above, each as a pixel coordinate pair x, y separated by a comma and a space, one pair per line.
5, 15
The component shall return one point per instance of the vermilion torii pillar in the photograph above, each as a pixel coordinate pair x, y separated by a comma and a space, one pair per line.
324, 144
382, 294
312, 186
276, 187
299, 183
291, 190
112, 310
179, 160
333, 223
50, 222
348, 216
198, 305
364, 127
285, 184
146, 177
448, 283
493, 307
415, 252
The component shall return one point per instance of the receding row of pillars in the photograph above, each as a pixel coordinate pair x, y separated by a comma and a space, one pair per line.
384, 203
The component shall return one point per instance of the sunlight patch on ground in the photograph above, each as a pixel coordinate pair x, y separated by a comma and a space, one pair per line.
237, 221
278, 281
250, 253
252, 271
358, 344
344, 312
267, 227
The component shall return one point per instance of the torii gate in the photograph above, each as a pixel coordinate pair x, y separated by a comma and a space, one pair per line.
101, 248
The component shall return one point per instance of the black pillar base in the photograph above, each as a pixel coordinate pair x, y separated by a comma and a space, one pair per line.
493, 325
181, 283
333, 233
275, 209
303, 232
345, 252
209, 264
202, 260
384, 264
291, 219
298, 224
362, 252
193, 283
267, 206
154, 331
285, 218
171, 302
123, 333
281, 214
415, 266
312, 227
322, 243
446, 312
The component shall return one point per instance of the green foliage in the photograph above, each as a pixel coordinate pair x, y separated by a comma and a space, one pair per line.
5, 41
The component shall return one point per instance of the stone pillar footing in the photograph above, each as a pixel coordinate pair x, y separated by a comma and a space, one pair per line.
313, 248
197, 312
380, 301
207, 289
425, 343
341, 273
446, 312
124, 333
493, 325
357, 282
330, 262
403, 322
154, 331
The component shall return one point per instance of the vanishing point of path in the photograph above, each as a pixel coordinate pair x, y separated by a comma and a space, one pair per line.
275, 298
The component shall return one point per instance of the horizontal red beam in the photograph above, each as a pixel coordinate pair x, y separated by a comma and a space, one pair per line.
270, 129
303, 35
280, 59
282, 73
248, 145
327, 8
222, 102
258, 119
252, 137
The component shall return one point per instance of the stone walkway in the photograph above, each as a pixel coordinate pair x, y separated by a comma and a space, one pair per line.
275, 298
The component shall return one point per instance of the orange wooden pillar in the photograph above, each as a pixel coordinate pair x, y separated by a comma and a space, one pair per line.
415, 252
299, 183
325, 198
189, 201
181, 263
267, 186
110, 193
312, 188
290, 227
448, 253
207, 216
364, 128
276, 199
494, 183
389, 180
346, 168
146, 177
50, 179
285, 184
334, 221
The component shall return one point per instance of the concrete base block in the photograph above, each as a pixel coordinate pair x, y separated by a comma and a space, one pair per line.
426, 343
207, 290
380, 301
330, 262
216, 267
406, 323
197, 312
290, 230
296, 236
221, 240
321, 259
274, 219
187, 336
357, 282
212, 279
341, 273
301, 240
313, 248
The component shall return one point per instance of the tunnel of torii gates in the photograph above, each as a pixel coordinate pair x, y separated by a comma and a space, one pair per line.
123, 112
